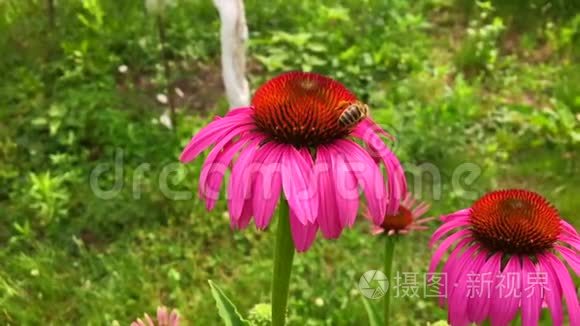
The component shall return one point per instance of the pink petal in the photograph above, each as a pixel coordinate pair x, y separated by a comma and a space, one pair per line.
505, 301
463, 247
240, 182
328, 215
454, 269
303, 235
568, 228
213, 172
409, 200
442, 249
242, 221
296, 183
567, 286
368, 124
457, 215
267, 184
420, 210
174, 318
369, 178
459, 298
213, 132
454, 263
569, 235
552, 290
376, 230
241, 111
446, 227
162, 316
149, 320
574, 242
531, 299
478, 307
571, 257
396, 176
345, 184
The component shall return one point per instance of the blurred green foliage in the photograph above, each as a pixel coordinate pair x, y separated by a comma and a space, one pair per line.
494, 84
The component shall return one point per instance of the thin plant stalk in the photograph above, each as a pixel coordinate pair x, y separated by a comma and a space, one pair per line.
283, 257
389, 254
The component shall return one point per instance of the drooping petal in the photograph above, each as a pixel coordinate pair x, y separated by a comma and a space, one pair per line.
242, 111
296, 183
569, 235
478, 307
267, 184
442, 248
569, 228
551, 290
328, 215
397, 183
243, 220
421, 209
571, 257
567, 286
369, 178
174, 318
455, 270
214, 169
457, 215
461, 247
531, 294
345, 183
504, 306
452, 267
446, 227
162, 316
303, 235
368, 124
240, 183
213, 132
462, 293
409, 200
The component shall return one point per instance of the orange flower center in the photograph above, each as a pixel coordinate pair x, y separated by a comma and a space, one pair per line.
301, 108
515, 222
398, 222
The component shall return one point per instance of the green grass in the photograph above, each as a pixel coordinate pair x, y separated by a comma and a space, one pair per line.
509, 109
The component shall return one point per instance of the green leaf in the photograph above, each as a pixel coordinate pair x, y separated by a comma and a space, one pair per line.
371, 313
227, 310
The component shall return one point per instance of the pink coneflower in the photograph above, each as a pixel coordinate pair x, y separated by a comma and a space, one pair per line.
164, 318
408, 218
506, 260
289, 142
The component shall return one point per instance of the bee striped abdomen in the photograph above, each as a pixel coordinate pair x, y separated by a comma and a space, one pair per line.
352, 115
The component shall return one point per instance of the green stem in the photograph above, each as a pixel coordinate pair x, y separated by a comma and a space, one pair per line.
389, 251
283, 256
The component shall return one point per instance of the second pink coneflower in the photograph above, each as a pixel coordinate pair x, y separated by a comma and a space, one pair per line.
508, 255
406, 219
